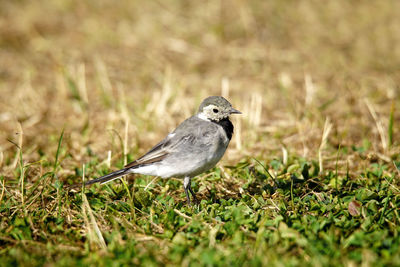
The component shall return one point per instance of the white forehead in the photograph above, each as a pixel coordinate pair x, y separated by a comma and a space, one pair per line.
211, 106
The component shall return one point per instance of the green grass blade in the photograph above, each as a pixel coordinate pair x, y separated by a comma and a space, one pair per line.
58, 151
390, 126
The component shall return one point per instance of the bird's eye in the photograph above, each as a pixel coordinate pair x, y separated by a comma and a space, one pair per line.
215, 110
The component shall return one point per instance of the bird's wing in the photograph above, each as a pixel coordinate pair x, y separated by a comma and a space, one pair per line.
162, 149
187, 133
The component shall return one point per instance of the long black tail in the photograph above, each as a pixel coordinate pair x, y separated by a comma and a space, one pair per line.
108, 177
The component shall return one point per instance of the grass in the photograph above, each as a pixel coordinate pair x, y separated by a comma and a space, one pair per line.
311, 176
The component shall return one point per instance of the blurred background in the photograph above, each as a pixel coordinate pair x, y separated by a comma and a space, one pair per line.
309, 76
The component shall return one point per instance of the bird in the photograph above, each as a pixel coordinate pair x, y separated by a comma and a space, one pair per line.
195, 146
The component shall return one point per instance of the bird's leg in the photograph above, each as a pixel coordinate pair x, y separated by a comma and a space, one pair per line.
191, 191
187, 188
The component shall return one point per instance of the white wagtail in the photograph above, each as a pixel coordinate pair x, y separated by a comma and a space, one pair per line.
194, 147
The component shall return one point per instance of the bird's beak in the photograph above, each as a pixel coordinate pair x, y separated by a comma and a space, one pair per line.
235, 111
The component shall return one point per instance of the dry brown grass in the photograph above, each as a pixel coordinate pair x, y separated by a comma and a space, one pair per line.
93, 68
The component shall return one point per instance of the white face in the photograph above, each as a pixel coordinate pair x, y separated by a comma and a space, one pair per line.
214, 113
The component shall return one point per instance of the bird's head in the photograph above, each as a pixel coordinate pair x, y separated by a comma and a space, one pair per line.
216, 108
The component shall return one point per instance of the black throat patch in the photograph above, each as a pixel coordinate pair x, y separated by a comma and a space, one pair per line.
226, 125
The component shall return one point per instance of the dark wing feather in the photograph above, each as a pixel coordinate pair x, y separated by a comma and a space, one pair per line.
147, 159
183, 134
162, 149
155, 154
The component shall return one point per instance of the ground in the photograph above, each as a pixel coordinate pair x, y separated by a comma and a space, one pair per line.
312, 174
